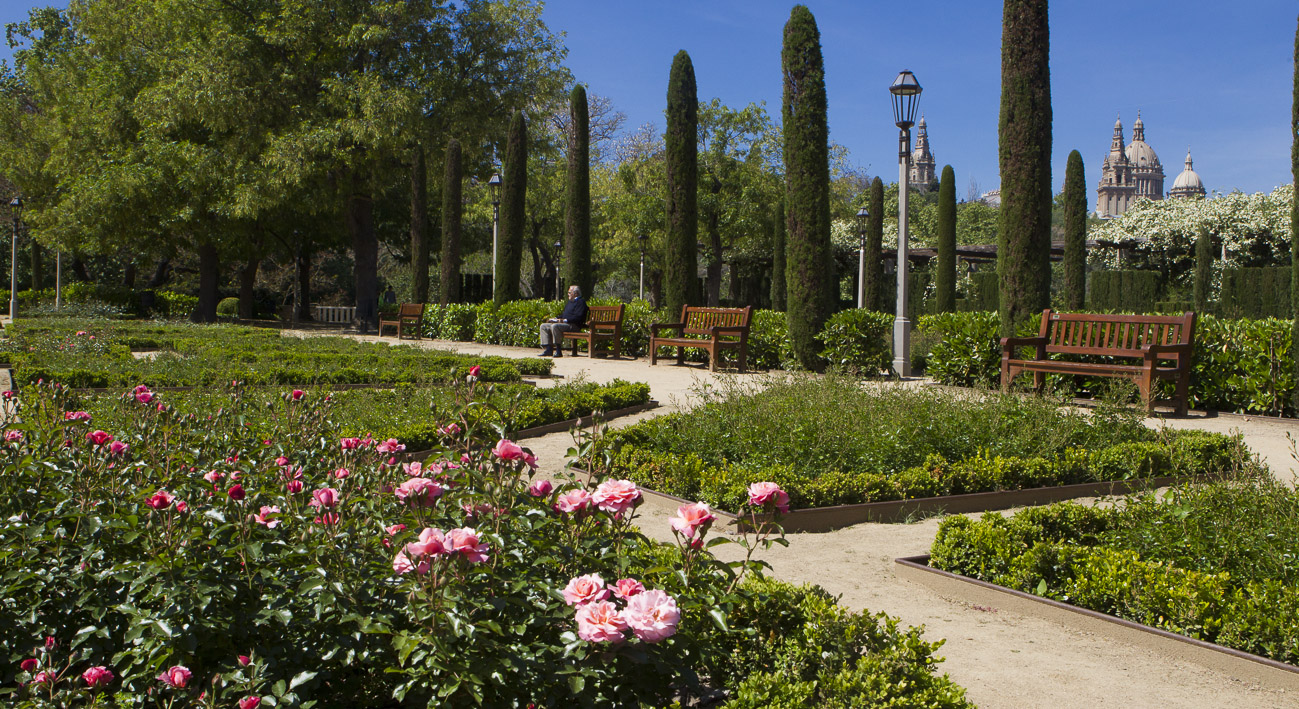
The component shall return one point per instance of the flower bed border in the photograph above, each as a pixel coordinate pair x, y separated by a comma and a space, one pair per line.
825, 519
1238, 664
326, 387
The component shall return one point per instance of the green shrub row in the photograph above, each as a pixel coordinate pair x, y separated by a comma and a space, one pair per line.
165, 303
1123, 290
1085, 556
1239, 364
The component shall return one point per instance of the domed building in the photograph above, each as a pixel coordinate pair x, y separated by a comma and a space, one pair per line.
1188, 183
922, 171
1129, 172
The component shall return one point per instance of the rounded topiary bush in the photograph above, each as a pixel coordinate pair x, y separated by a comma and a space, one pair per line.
228, 308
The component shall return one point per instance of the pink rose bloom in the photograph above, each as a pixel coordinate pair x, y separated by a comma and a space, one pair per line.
160, 500
652, 615
176, 677
264, 516
281, 461
763, 494
81, 333
419, 491
600, 622
99, 438
348, 444
403, 565
29, 664
616, 496
76, 416
342, 473
325, 498
582, 590
182, 506
213, 476
245, 660
415, 469
236, 492
44, 677
475, 371
530, 459
118, 448
11, 436
450, 429
250, 702
294, 486
507, 450
693, 519
432, 542
390, 446
297, 394
97, 676
626, 588
540, 488
395, 528
327, 518
143, 395
464, 541
573, 501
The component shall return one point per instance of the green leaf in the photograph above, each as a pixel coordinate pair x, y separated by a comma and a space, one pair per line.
719, 619
1041, 587
300, 679
576, 683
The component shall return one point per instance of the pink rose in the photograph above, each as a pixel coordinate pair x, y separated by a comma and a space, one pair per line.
616, 496
12, 436
294, 486
81, 333
99, 438
281, 461
507, 450
626, 588
652, 615
160, 500
29, 664
693, 519
530, 459
464, 541
475, 371
342, 473
327, 518
250, 702
403, 565
390, 446
432, 542
600, 622
540, 488
236, 492
213, 476
325, 498
182, 506
118, 448
76, 416
395, 528
419, 491
764, 494
348, 444
97, 676
44, 677
415, 469
176, 677
582, 590
297, 394
143, 395
264, 516
245, 660
573, 501
450, 429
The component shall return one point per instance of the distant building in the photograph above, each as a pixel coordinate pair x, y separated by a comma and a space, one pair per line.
1129, 172
922, 161
992, 198
1188, 183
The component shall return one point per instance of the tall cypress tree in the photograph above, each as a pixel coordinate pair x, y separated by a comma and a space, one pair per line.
1294, 210
778, 260
874, 248
945, 279
451, 196
1024, 152
577, 204
680, 279
1203, 270
514, 195
419, 231
1075, 233
809, 268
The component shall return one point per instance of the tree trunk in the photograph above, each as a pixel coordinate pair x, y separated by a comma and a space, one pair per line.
79, 269
209, 276
37, 267
247, 279
302, 296
128, 276
365, 253
161, 274
419, 231
451, 225
714, 269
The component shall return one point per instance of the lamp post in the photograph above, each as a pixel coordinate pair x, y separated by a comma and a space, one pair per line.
559, 263
906, 97
642, 238
862, 216
495, 184
15, 210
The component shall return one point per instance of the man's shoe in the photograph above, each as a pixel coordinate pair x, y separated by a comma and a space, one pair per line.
558, 354
546, 352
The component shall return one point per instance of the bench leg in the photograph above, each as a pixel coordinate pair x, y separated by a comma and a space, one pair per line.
654, 353
744, 355
1182, 392
617, 346
712, 359
681, 355
1039, 382
1006, 376
1145, 385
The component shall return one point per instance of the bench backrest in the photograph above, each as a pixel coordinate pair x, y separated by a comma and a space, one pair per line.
604, 317
1114, 335
700, 321
411, 310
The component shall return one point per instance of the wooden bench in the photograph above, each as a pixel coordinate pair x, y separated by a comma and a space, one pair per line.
409, 317
1163, 343
711, 329
603, 324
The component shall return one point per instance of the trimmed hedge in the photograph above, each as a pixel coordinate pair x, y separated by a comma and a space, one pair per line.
1127, 290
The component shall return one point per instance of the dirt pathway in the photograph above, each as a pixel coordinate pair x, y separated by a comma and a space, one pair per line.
1005, 659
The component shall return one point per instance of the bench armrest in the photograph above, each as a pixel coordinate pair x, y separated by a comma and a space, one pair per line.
1009, 343
1155, 351
728, 330
654, 329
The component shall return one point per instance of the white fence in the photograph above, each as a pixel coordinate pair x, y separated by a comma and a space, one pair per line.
339, 314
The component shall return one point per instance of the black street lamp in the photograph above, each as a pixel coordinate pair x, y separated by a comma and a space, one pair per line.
906, 99
559, 263
862, 217
15, 210
495, 184
642, 239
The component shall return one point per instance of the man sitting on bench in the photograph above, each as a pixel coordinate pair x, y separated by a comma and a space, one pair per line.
573, 318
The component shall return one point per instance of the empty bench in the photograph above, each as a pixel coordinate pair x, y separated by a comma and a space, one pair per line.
710, 329
410, 317
1163, 344
603, 324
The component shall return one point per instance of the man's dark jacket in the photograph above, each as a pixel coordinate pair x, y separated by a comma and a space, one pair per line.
575, 313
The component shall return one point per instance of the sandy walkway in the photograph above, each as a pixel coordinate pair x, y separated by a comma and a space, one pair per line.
1003, 658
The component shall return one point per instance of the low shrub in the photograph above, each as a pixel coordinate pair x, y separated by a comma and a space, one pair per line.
858, 341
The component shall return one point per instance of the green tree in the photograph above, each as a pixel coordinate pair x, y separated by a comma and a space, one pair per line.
945, 278
514, 196
810, 273
1203, 270
451, 214
778, 302
1075, 233
874, 291
1024, 156
577, 212
682, 145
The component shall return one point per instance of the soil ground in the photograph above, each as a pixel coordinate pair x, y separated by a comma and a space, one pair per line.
1006, 660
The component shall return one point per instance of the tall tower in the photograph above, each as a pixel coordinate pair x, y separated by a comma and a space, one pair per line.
922, 161
1147, 173
1117, 189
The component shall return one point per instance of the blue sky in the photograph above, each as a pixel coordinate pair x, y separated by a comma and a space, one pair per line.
1214, 76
